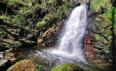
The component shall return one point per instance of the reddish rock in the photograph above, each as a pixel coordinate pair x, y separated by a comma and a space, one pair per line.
90, 52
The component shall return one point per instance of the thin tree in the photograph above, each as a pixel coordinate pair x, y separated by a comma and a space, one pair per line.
113, 36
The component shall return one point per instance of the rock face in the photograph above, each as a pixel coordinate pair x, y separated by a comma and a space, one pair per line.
24, 65
89, 48
67, 67
49, 37
83, 1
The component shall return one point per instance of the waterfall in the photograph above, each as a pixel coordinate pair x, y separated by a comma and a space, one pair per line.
70, 45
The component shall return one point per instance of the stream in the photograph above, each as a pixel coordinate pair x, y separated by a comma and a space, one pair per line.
70, 47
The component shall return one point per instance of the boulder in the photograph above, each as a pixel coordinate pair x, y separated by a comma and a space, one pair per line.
5, 64
47, 38
23, 65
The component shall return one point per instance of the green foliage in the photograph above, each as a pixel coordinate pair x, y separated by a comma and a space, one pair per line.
6, 18
12, 2
39, 68
37, 12
62, 11
52, 2
98, 5
108, 14
103, 35
97, 37
2, 33
67, 67
20, 20
40, 24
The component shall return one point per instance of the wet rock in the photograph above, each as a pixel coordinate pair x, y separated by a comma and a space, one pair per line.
6, 60
89, 48
19, 53
67, 67
47, 38
5, 64
83, 1
9, 56
39, 41
2, 62
102, 64
59, 25
1, 55
48, 33
23, 65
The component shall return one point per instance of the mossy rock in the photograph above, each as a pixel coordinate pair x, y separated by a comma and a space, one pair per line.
67, 67
23, 65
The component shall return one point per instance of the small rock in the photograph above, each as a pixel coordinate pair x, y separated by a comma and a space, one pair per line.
2, 61
9, 56
39, 41
5, 64
44, 40
48, 33
1, 55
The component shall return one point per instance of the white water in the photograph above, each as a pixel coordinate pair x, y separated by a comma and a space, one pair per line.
71, 42
70, 45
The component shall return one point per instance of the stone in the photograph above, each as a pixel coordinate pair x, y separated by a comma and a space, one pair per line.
23, 65
89, 48
49, 32
2, 61
102, 64
45, 39
39, 40
9, 56
5, 64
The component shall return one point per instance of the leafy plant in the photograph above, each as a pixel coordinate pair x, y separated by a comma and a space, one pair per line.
40, 24
20, 20
39, 68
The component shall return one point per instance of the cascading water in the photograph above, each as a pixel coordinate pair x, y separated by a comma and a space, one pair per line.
70, 45
71, 42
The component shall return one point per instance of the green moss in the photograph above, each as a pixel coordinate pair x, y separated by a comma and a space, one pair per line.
52, 2
96, 4
11, 2
20, 20
40, 24
24, 2
6, 18
39, 68
97, 37
67, 67
62, 11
